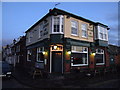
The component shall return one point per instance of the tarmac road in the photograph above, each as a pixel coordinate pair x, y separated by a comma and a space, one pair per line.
115, 83
12, 83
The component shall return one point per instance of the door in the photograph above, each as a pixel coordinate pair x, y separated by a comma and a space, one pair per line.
57, 61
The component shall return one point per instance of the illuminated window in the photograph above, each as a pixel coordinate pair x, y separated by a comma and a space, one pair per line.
79, 56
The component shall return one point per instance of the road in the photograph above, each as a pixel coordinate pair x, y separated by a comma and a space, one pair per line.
12, 83
107, 84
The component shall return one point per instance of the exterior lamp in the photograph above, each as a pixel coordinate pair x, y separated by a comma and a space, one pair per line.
69, 52
43, 52
55, 47
93, 54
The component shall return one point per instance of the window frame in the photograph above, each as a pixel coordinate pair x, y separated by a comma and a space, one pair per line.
30, 52
77, 53
29, 36
85, 30
103, 57
61, 22
104, 32
40, 29
74, 21
39, 51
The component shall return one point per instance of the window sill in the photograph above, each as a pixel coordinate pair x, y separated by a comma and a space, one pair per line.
102, 39
100, 63
57, 33
84, 37
74, 35
79, 64
79, 52
39, 38
40, 61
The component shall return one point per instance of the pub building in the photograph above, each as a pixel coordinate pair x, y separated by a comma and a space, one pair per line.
61, 42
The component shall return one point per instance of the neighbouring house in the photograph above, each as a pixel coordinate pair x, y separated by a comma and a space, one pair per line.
15, 53
114, 55
20, 51
61, 42
7, 54
0, 55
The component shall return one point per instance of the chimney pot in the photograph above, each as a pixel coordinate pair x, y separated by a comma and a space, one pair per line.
50, 10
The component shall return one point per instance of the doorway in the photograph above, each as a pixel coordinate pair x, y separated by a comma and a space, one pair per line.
57, 61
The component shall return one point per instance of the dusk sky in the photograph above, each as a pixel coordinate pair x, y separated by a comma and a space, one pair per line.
17, 17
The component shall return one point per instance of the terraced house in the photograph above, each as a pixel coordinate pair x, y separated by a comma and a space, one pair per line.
61, 42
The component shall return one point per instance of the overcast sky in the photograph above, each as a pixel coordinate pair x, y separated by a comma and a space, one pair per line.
18, 17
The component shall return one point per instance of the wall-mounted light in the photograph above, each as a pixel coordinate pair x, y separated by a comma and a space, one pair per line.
55, 47
69, 52
43, 52
93, 54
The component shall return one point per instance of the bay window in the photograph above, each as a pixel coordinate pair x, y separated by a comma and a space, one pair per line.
74, 28
102, 33
57, 24
79, 56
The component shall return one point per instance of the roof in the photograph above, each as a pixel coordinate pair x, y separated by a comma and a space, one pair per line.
62, 12
114, 49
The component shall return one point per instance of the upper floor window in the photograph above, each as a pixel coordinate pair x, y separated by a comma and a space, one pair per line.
102, 33
57, 24
84, 30
45, 27
40, 30
18, 48
29, 36
74, 28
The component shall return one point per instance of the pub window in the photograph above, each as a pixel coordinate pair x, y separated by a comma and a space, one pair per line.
29, 55
99, 57
40, 56
79, 56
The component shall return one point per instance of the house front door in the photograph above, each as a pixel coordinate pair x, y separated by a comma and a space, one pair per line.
57, 61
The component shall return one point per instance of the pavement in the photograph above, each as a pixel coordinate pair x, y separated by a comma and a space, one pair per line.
74, 80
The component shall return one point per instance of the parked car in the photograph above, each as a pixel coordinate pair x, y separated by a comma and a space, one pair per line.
6, 69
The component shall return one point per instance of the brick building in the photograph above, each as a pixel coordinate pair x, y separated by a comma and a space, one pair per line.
61, 42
